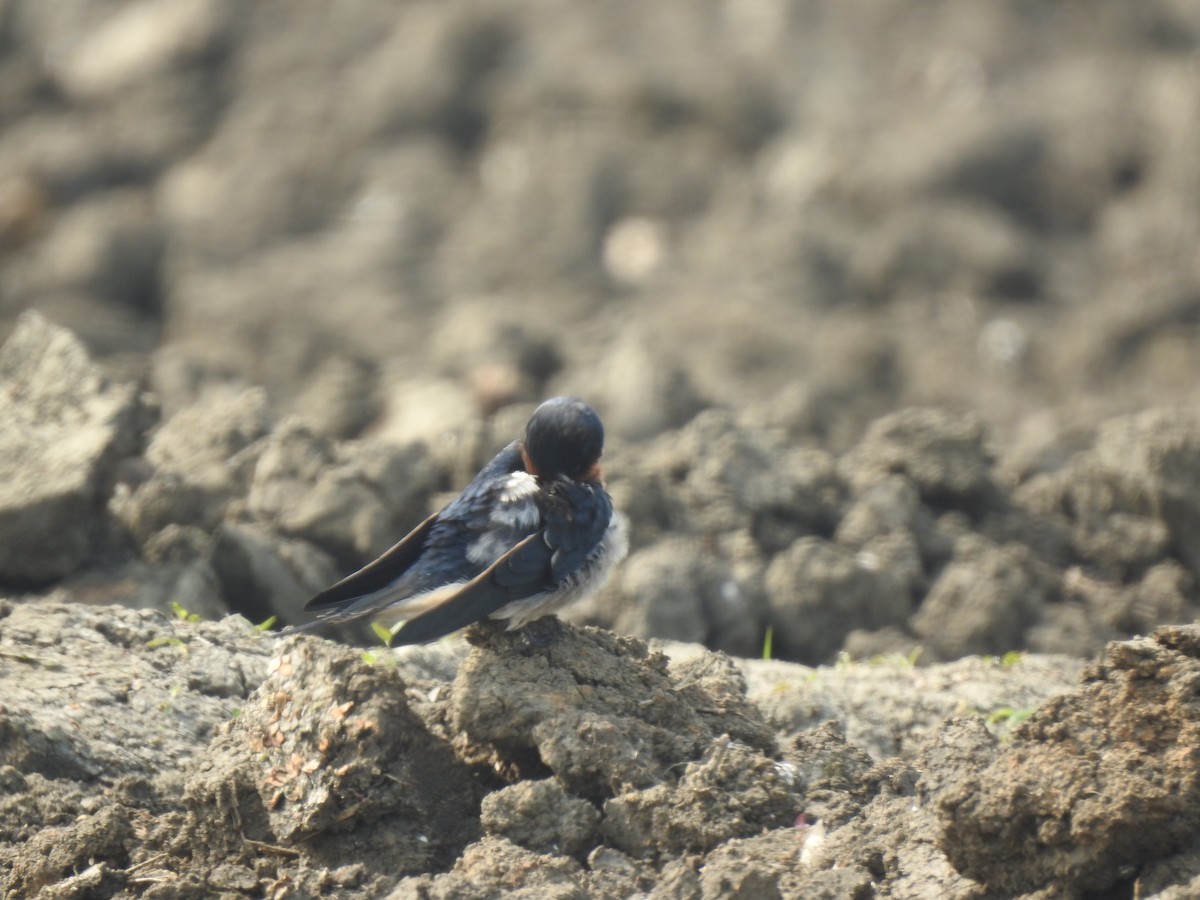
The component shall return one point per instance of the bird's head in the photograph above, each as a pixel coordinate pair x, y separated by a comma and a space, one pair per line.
564, 437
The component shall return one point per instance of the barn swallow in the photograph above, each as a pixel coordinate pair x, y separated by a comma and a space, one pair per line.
534, 530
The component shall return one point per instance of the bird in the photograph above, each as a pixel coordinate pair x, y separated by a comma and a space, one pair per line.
534, 530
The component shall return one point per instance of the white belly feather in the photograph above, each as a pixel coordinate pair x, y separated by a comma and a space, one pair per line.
589, 579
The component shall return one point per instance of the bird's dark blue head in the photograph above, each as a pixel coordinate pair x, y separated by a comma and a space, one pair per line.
564, 437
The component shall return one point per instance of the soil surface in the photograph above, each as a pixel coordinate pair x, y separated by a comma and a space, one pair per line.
890, 311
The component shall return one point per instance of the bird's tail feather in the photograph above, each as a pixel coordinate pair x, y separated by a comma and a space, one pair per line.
379, 604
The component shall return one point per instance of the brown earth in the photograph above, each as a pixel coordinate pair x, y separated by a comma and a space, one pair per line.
891, 313
150, 756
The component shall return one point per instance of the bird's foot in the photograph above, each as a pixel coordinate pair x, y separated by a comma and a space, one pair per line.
543, 632
483, 632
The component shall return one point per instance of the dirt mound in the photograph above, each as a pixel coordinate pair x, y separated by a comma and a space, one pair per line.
213, 757
1069, 801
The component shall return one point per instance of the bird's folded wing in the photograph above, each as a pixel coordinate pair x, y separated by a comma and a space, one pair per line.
379, 574
574, 536
522, 572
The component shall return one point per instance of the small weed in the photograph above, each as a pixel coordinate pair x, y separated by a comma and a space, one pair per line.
768, 640
268, 624
897, 660
1008, 716
383, 633
373, 659
166, 641
1011, 658
183, 615
1003, 720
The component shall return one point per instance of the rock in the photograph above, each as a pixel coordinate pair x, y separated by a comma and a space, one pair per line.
1165, 595
817, 593
425, 410
264, 575
1108, 511
541, 816
868, 645
713, 679
733, 791
56, 854
211, 434
942, 454
141, 41
199, 461
773, 865
660, 591
882, 507
1095, 784
897, 557
836, 778
1160, 451
601, 713
327, 745
496, 867
65, 428
614, 872
735, 603
307, 488
983, 601
897, 858
343, 397
740, 477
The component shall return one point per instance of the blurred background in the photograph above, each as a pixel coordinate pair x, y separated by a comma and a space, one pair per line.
383, 212
400, 217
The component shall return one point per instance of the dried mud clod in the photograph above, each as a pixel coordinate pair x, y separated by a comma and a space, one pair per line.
600, 712
623, 764
327, 762
1096, 784
541, 816
732, 792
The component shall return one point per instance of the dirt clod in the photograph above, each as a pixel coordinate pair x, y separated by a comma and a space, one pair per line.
1093, 784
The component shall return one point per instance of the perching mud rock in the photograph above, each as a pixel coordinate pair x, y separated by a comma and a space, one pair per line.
600, 712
